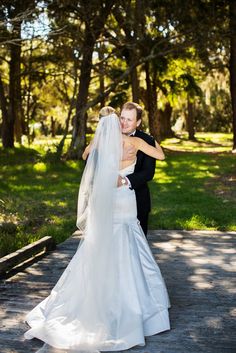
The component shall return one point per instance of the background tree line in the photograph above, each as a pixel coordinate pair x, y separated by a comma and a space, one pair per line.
61, 60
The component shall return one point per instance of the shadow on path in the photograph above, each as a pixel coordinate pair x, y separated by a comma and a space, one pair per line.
199, 271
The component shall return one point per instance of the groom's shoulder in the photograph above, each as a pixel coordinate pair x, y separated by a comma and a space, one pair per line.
143, 135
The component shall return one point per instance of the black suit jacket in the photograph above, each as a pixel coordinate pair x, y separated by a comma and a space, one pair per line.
143, 172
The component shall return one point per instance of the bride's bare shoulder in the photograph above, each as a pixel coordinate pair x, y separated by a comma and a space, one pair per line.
125, 138
132, 140
129, 140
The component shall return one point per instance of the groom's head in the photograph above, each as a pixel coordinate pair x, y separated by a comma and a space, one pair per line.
130, 117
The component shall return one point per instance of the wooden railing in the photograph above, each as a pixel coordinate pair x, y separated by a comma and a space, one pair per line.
27, 253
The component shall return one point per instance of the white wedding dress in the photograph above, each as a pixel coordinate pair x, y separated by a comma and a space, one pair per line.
110, 306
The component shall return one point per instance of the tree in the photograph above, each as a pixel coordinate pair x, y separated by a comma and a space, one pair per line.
129, 16
93, 15
232, 64
13, 13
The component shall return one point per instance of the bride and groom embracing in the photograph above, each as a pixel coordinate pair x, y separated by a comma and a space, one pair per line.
112, 294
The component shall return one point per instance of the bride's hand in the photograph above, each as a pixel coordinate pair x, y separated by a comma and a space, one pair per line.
120, 183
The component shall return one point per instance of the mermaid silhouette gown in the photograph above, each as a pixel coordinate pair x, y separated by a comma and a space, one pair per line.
139, 306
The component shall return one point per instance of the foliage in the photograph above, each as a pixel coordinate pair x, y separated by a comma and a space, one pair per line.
184, 47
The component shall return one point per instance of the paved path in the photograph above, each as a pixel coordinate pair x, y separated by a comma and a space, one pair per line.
199, 269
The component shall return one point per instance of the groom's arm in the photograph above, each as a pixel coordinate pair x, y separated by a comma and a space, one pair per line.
147, 171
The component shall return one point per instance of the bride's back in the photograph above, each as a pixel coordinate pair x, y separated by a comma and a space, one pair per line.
129, 153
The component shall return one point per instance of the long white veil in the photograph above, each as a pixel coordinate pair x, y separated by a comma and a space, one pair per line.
100, 176
95, 218
96, 275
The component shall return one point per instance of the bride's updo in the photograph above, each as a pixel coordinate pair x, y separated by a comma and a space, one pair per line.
107, 110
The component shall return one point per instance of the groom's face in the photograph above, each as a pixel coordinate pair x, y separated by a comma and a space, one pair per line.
128, 121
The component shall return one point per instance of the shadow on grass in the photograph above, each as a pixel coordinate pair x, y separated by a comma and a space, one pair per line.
38, 196
22, 155
198, 140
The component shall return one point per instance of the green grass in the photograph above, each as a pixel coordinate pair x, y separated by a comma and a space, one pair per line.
37, 196
192, 189
195, 187
205, 142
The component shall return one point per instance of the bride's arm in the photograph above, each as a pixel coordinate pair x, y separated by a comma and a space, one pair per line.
86, 152
155, 152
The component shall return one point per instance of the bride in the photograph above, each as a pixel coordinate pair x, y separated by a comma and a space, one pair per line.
112, 293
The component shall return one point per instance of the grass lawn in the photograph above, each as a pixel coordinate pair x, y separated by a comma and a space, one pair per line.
194, 188
37, 198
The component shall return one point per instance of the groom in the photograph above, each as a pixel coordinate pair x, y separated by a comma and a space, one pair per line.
131, 118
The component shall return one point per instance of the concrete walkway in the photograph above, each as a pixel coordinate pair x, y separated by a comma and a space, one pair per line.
199, 268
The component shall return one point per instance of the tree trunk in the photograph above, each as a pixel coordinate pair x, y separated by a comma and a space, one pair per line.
153, 116
190, 120
135, 85
101, 50
28, 94
130, 54
232, 65
139, 31
68, 119
53, 127
165, 118
15, 109
7, 123
143, 97
92, 32
79, 124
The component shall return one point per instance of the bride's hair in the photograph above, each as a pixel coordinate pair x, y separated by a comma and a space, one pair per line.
107, 110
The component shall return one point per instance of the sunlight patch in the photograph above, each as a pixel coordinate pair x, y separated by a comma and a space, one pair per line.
197, 222
40, 167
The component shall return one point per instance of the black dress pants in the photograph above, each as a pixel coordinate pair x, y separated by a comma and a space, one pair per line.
143, 219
